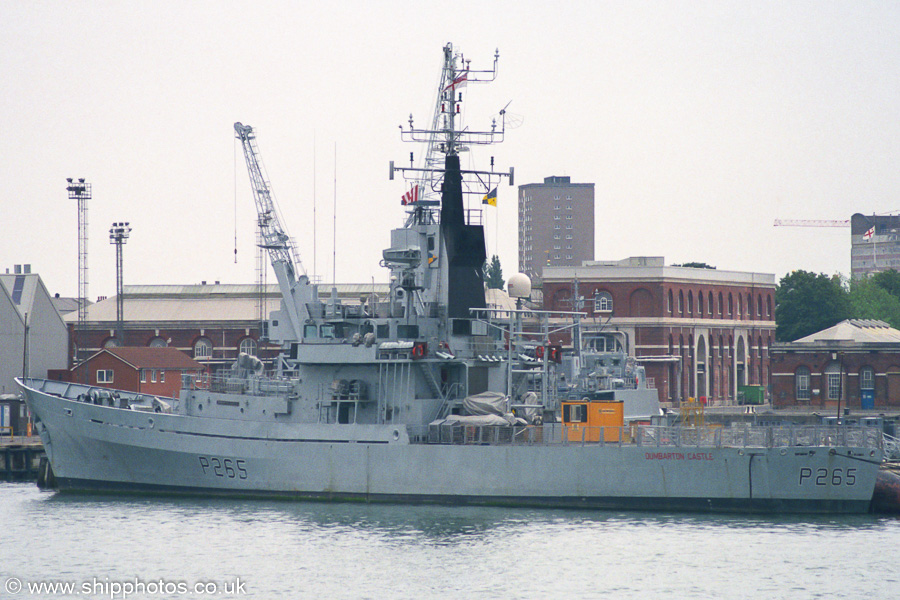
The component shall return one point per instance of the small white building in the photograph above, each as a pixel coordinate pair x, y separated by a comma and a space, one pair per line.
24, 299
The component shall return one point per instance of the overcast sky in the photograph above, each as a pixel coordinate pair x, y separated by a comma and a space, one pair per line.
699, 122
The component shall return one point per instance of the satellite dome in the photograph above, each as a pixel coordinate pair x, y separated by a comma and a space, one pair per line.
519, 286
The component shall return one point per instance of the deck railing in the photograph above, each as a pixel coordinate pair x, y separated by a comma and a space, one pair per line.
655, 436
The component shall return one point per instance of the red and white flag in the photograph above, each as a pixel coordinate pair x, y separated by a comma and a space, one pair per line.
458, 82
410, 197
868, 234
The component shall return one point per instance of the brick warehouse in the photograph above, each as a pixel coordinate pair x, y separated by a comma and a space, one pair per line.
855, 363
698, 332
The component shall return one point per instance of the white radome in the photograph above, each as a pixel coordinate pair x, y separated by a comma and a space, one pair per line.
519, 286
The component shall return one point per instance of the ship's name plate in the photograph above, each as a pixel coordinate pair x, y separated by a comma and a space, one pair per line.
678, 456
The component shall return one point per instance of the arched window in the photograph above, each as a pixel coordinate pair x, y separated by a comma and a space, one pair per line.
669, 305
681, 302
801, 383
720, 303
700, 304
690, 305
112, 343
834, 380
740, 307
603, 302
730, 304
709, 303
867, 378
158, 342
248, 346
768, 306
759, 305
203, 348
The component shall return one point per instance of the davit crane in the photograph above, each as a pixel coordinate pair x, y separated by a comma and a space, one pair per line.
293, 282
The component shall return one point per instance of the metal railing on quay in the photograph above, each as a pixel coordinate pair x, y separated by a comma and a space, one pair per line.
655, 436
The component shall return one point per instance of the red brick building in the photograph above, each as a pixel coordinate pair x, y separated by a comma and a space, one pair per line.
698, 332
856, 363
155, 371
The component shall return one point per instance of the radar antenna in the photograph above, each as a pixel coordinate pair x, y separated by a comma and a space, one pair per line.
447, 138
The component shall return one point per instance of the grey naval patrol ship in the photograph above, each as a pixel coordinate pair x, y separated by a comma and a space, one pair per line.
430, 395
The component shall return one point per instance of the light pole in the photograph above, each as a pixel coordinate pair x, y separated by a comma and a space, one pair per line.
118, 235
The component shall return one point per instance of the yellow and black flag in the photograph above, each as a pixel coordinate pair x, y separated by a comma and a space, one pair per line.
490, 198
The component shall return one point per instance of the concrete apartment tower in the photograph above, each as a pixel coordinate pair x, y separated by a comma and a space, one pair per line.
556, 225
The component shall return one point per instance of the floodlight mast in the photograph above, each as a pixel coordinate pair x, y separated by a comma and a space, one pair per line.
80, 190
118, 235
292, 279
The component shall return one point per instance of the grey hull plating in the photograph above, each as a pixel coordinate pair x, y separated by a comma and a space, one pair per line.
110, 449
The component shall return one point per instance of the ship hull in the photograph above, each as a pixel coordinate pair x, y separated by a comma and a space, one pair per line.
98, 448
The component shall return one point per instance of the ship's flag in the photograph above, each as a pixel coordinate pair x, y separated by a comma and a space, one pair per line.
458, 82
410, 197
868, 234
490, 198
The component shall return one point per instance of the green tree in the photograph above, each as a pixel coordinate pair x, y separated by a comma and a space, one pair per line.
889, 281
869, 300
807, 303
493, 273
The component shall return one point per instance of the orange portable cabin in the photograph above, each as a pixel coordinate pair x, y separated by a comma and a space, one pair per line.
583, 420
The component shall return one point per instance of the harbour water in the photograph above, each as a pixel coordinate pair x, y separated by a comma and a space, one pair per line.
163, 547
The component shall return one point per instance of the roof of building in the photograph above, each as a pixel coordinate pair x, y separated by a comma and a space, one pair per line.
26, 291
64, 305
207, 302
141, 357
654, 268
859, 331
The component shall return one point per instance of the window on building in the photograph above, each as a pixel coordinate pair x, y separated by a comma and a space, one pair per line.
152, 375
158, 342
202, 348
556, 217
568, 257
248, 346
833, 380
557, 226
568, 236
801, 383
669, 302
690, 304
143, 375
709, 303
681, 302
162, 376
720, 303
867, 378
112, 343
603, 302
834, 386
104, 375
700, 304
730, 304
759, 306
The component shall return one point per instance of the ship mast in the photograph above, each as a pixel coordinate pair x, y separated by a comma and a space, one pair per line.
446, 137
